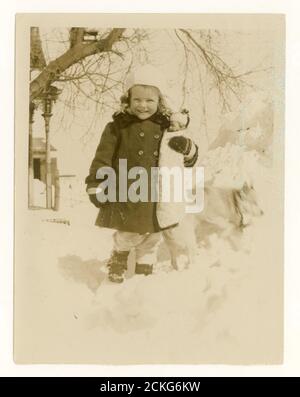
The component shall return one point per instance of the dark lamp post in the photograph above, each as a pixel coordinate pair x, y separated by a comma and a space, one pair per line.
32, 107
47, 98
47, 107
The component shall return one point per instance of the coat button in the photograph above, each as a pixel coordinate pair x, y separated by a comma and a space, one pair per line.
141, 133
156, 136
140, 152
155, 153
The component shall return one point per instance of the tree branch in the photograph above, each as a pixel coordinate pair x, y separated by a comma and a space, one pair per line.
78, 52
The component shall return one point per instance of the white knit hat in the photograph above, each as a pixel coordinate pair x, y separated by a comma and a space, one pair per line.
146, 75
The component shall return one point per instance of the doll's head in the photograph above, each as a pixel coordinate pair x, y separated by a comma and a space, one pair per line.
179, 120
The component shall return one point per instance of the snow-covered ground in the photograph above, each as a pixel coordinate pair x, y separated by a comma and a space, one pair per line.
225, 308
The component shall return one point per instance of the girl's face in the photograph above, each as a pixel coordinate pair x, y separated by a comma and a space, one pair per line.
143, 101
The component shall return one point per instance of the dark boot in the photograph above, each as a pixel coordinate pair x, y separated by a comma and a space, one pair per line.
117, 266
143, 269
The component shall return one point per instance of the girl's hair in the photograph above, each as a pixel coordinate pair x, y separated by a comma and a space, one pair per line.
162, 105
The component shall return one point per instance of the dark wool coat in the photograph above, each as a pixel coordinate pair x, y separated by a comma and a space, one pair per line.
137, 141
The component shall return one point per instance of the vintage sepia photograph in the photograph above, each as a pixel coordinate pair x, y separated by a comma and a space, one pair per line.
149, 189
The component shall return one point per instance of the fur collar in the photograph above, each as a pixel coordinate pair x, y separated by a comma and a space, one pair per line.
124, 119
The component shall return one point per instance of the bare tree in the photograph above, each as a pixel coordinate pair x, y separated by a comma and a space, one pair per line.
201, 45
79, 50
195, 42
93, 66
94, 62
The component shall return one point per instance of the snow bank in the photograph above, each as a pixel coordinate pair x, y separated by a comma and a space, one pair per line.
217, 310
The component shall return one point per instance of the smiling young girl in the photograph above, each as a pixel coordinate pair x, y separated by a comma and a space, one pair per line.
135, 135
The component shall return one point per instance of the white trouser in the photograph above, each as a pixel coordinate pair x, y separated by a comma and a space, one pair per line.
145, 245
